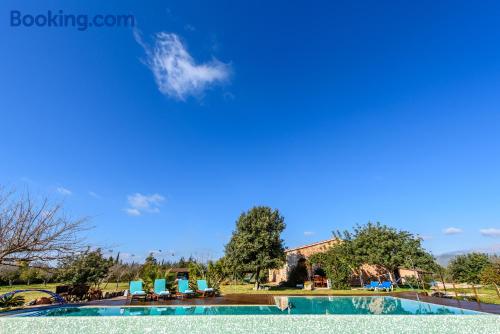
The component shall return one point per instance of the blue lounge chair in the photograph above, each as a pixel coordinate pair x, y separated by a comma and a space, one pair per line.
203, 288
183, 288
372, 286
385, 285
136, 291
160, 288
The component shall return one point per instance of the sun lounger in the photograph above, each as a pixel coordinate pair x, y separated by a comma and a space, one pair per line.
203, 288
160, 288
385, 285
183, 288
372, 286
136, 291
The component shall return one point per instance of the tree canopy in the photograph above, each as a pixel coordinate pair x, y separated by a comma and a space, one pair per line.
256, 243
468, 268
387, 247
88, 267
338, 263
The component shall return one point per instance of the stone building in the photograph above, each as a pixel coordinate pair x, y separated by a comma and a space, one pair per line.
294, 255
366, 272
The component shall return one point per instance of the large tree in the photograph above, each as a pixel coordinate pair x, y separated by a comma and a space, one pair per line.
387, 247
256, 243
90, 267
35, 230
468, 268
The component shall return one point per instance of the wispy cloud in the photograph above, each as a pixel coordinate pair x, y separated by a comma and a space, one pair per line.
308, 233
490, 232
176, 72
95, 195
139, 204
63, 191
452, 230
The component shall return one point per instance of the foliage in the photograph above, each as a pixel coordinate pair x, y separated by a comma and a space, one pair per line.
467, 268
298, 274
213, 272
256, 243
11, 300
337, 263
385, 246
151, 270
89, 267
9, 274
491, 274
27, 273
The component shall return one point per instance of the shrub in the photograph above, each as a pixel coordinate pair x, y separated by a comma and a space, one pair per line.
11, 300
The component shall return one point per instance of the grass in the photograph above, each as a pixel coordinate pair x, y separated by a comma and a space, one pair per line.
29, 296
248, 289
487, 295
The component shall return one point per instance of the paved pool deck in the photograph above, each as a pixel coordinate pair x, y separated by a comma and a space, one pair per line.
275, 324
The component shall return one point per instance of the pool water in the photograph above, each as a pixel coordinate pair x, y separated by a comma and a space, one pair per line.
284, 305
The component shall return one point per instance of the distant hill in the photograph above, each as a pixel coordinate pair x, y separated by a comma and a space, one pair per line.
445, 258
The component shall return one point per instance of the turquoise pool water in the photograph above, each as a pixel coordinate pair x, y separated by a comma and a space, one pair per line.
284, 306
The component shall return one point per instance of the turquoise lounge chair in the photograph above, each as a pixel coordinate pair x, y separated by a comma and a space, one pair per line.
372, 286
136, 291
183, 288
203, 288
160, 288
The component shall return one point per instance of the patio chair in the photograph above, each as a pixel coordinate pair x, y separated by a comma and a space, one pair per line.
203, 288
160, 288
385, 285
136, 291
183, 288
372, 286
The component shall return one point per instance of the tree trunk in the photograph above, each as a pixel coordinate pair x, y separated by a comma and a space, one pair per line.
257, 282
390, 275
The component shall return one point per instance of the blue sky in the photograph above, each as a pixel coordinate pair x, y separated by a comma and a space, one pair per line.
335, 113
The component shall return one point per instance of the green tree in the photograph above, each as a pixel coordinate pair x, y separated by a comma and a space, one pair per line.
28, 274
467, 268
152, 270
491, 274
256, 243
387, 247
9, 274
89, 267
338, 263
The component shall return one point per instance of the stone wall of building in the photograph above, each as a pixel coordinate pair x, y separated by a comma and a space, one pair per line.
295, 254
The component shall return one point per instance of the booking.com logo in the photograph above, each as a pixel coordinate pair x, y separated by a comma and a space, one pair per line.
59, 19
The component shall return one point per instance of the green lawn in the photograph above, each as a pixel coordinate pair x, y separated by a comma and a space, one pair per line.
248, 288
486, 295
52, 287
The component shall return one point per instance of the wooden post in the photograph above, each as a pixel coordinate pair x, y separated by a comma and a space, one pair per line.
475, 293
442, 280
454, 289
496, 288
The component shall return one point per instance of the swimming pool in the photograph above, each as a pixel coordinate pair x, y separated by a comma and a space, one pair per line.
375, 305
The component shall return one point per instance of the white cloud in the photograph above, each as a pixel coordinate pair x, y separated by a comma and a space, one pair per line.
452, 230
63, 191
490, 232
95, 195
139, 204
176, 72
132, 212
308, 233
